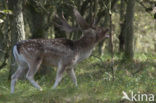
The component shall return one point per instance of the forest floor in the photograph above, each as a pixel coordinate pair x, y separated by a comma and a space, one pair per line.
95, 83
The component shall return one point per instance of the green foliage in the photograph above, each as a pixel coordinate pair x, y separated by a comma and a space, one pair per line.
94, 79
6, 11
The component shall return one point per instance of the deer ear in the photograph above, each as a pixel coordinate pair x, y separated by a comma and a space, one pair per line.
80, 20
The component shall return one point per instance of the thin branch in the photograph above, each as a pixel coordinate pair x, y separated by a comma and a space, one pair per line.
98, 58
143, 6
5, 60
3, 64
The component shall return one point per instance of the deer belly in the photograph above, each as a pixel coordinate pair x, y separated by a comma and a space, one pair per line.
51, 60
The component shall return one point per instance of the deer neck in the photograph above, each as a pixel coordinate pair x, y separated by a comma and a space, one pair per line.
84, 47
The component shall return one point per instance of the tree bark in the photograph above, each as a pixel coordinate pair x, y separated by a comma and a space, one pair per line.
129, 29
122, 25
17, 28
37, 21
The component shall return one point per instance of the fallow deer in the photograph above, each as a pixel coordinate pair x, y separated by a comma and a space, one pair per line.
63, 53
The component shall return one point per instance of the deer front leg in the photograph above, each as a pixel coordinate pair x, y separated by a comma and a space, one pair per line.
31, 72
59, 75
72, 75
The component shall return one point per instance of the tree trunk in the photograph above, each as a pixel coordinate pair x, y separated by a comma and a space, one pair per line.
122, 25
17, 27
129, 29
37, 21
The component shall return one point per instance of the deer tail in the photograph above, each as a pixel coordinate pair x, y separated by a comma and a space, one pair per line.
15, 52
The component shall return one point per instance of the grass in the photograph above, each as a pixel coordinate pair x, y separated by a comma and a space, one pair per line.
95, 83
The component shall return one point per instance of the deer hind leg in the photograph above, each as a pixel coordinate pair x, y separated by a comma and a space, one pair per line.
72, 75
59, 75
33, 68
16, 76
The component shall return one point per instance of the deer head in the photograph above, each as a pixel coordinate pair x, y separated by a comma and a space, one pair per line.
90, 31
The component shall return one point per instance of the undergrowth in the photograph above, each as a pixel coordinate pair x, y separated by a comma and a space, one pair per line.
95, 82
